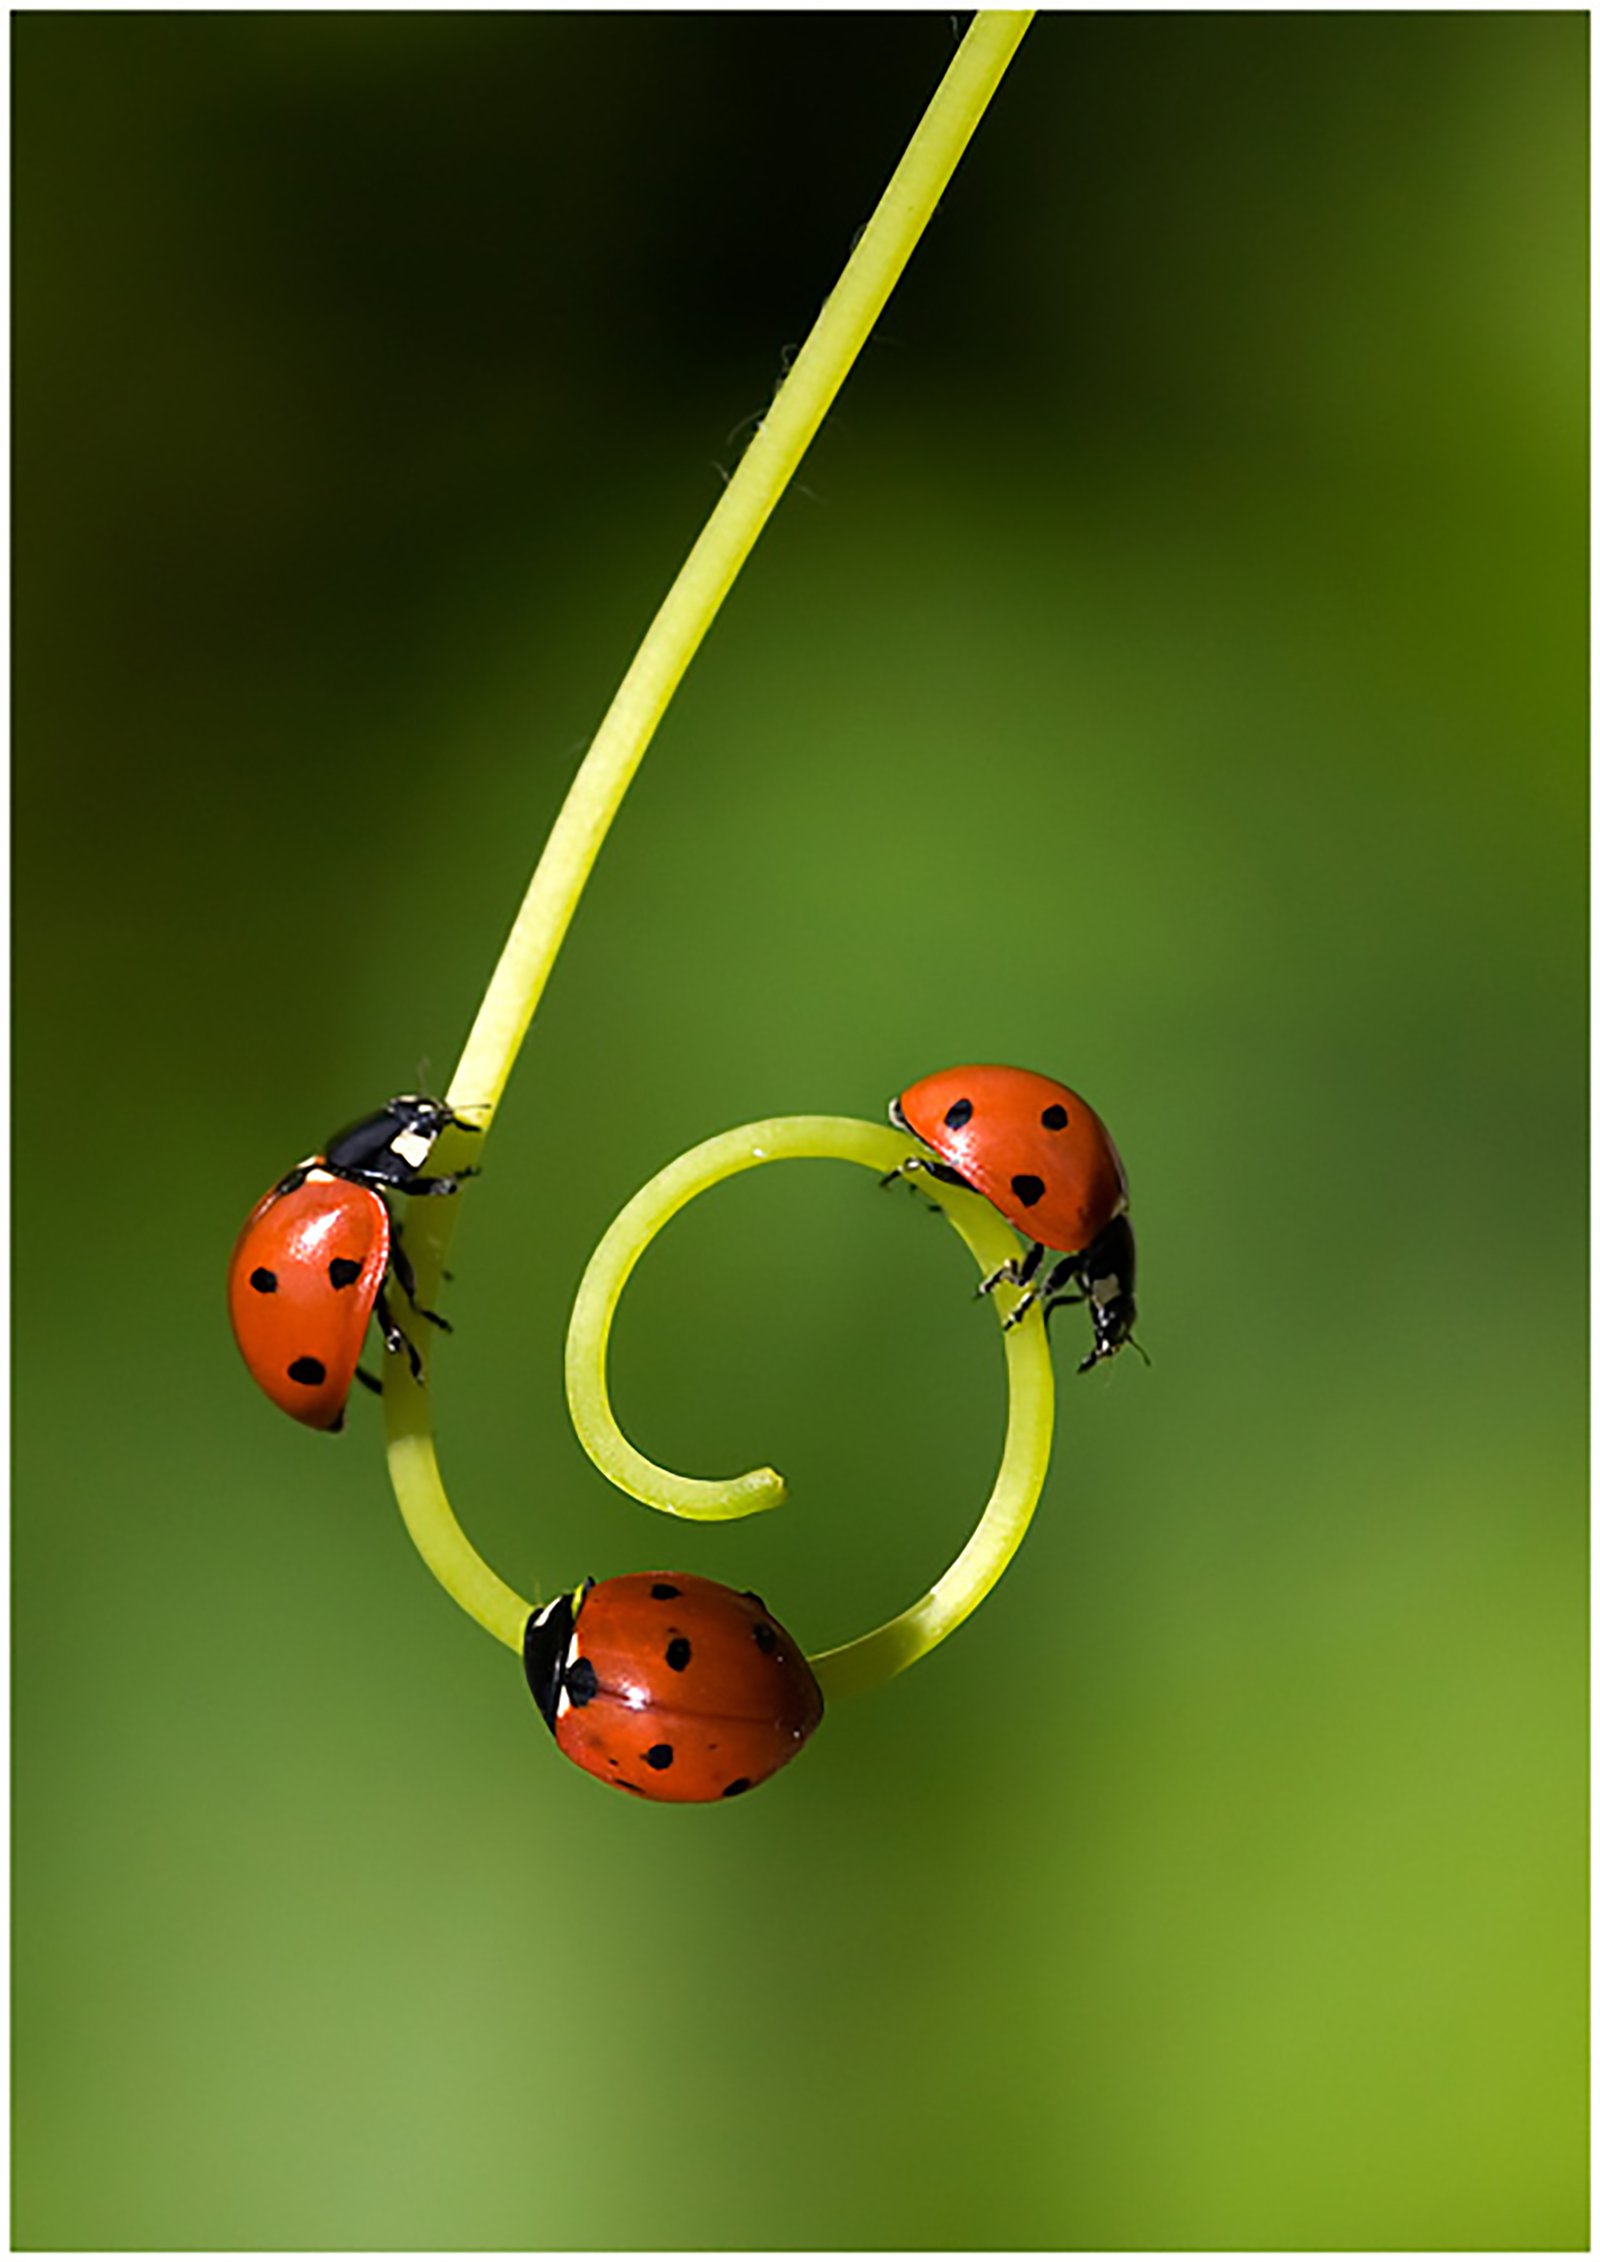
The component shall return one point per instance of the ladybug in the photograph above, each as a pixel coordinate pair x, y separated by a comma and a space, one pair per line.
670, 1686
309, 1266
1045, 1160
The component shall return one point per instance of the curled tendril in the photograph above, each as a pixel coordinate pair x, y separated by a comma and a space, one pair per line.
692, 603
872, 1657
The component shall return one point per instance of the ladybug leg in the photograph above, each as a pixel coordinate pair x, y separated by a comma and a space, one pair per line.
1106, 1275
445, 1185
405, 1273
1018, 1270
940, 1170
371, 1381
394, 1335
1049, 1288
1100, 1351
904, 1171
1105, 1350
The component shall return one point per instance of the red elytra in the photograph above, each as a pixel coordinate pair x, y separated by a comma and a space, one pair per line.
308, 1269
670, 1686
305, 1274
1033, 1147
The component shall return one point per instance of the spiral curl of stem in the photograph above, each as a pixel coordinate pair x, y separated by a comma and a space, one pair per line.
674, 636
871, 1657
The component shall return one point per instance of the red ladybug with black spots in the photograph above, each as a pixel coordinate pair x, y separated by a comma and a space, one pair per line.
670, 1686
1037, 1151
310, 1265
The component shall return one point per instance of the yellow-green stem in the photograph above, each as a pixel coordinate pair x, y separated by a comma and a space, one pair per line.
596, 794
873, 1657
708, 573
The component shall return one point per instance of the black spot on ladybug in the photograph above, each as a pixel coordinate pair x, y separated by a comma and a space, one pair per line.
582, 1681
1054, 1117
344, 1271
263, 1282
766, 1639
1027, 1189
956, 1119
658, 1756
739, 1783
678, 1652
661, 1592
751, 1595
309, 1371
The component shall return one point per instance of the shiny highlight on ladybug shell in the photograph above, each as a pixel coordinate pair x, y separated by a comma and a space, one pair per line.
670, 1686
1036, 1149
312, 1261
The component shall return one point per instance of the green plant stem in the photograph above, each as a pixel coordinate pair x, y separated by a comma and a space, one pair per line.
708, 573
674, 636
873, 1657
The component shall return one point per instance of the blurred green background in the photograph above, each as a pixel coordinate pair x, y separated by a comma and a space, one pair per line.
1172, 676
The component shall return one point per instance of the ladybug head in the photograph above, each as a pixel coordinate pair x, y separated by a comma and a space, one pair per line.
414, 1111
546, 1645
545, 1642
